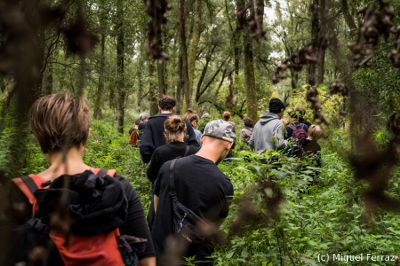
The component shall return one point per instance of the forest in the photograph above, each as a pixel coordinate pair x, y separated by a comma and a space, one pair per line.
338, 59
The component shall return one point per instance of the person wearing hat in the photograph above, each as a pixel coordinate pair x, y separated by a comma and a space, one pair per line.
268, 131
199, 185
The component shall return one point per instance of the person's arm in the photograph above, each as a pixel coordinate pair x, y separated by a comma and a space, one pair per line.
191, 135
149, 261
279, 140
146, 144
155, 203
154, 166
136, 224
251, 140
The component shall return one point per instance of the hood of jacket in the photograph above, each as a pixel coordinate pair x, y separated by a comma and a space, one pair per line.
267, 117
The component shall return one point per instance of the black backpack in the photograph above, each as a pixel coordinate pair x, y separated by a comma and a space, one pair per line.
184, 221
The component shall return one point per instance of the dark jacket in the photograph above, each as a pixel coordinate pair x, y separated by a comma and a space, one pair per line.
154, 136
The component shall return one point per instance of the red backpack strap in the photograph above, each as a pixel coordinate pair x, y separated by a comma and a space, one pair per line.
28, 185
110, 172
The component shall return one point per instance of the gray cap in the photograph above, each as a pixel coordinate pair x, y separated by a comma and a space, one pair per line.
220, 129
205, 115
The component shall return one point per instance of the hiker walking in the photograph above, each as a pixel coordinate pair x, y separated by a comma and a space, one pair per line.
72, 213
247, 129
268, 131
154, 131
197, 185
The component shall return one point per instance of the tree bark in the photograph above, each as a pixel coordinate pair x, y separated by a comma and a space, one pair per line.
120, 67
161, 78
47, 83
312, 67
194, 47
251, 96
100, 87
183, 53
152, 88
322, 45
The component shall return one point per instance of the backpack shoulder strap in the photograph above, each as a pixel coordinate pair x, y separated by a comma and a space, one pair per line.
301, 126
292, 127
103, 172
28, 185
171, 187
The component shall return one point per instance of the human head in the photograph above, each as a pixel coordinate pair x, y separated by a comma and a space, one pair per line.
276, 106
174, 129
301, 112
137, 122
167, 103
60, 122
205, 116
219, 137
294, 115
248, 122
226, 116
192, 117
315, 132
144, 117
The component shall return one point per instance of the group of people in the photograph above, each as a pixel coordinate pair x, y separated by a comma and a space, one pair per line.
72, 203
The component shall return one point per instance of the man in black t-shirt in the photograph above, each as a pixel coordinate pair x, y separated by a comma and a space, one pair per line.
199, 185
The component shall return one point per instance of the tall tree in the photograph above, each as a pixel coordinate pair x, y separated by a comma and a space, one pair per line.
248, 65
193, 48
100, 86
120, 65
183, 53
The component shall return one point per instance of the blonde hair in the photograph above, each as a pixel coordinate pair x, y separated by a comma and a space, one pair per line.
174, 128
316, 132
226, 115
60, 121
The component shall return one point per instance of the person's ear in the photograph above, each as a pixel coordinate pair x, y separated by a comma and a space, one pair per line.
159, 108
201, 139
229, 146
173, 109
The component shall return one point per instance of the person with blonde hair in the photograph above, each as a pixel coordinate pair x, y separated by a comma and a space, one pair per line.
227, 117
175, 129
97, 202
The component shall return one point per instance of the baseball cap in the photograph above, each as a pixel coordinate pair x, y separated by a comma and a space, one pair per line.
220, 129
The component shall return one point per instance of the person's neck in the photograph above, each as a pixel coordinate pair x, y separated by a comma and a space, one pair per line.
70, 163
166, 112
209, 153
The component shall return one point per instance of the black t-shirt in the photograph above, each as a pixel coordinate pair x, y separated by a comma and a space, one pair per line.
165, 153
201, 187
135, 224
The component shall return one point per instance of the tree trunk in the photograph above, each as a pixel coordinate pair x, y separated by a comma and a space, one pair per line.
311, 75
183, 53
193, 48
152, 88
47, 83
179, 86
120, 67
251, 96
322, 42
161, 78
100, 88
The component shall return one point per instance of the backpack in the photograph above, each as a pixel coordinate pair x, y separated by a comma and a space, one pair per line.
299, 131
133, 138
184, 221
86, 243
